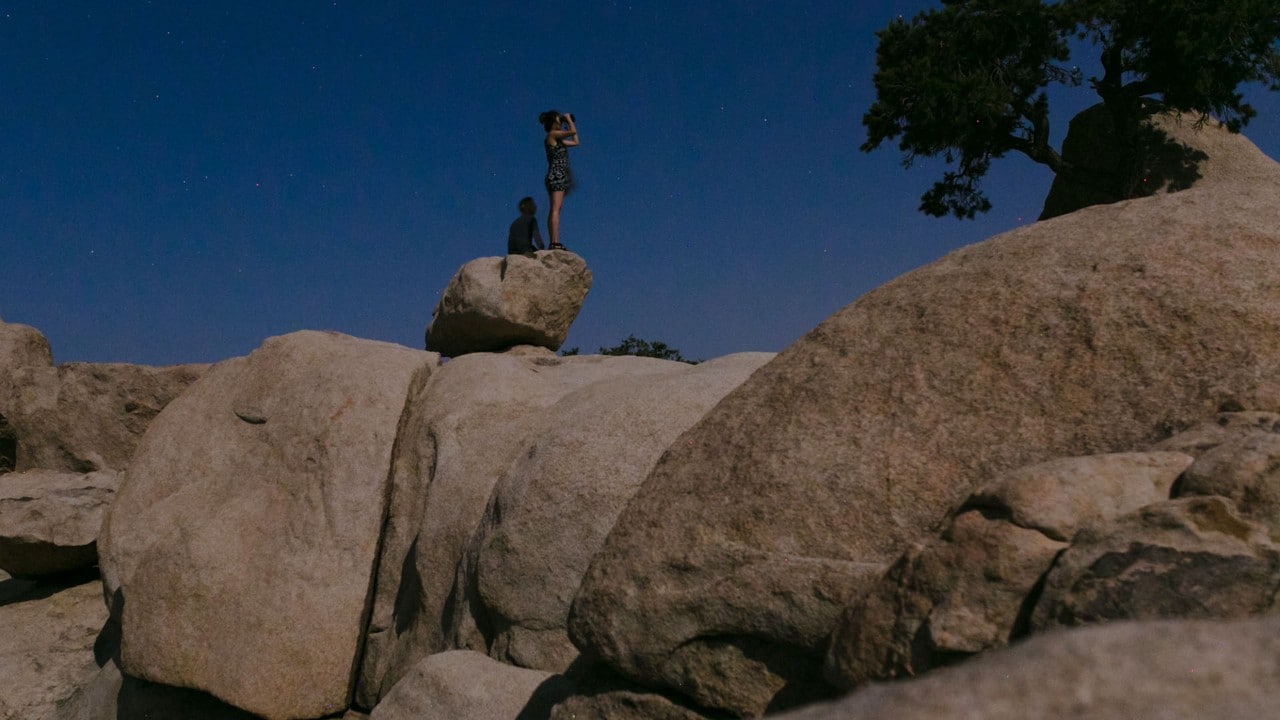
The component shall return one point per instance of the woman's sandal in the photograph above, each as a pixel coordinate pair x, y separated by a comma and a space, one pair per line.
556, 246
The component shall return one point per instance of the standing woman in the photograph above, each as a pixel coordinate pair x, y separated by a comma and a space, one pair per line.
561, 135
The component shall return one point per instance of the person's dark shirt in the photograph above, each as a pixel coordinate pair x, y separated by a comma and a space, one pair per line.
524, 236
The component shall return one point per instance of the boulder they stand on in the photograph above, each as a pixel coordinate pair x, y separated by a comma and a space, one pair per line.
495, 303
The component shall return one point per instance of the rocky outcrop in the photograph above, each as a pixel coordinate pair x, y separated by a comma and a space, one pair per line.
494, 303
465, 685
1172, 670
462, 427
976, 454
966, 590
1104, 331
82, 417
551, 510
65, 434
238, 554
49, 520
572, 436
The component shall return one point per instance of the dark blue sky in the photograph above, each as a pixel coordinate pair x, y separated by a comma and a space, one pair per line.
180, 180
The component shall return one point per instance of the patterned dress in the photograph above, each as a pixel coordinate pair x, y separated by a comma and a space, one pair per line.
558, 175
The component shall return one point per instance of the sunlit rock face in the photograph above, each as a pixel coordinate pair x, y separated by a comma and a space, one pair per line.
1101, 331
239, 551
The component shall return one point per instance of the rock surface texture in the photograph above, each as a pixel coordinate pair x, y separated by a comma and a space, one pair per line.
1193, 557
465, 685
485, 417
238, 554
551, 511
1170, 670
82, 417
965, 591
1102, 331
463, 425
108, 694
49, 520
23, 346
47, 633
494, 303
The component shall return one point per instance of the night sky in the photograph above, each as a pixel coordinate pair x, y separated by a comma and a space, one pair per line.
180, 180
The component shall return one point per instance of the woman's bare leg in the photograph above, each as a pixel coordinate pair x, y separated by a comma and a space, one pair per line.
553, 216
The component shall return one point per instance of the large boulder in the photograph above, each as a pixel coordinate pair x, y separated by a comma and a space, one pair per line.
966, 591
551, 511
494, 303
48, 630
1170, 670
1102, 331
1169, 153
238, 554
49, 520
465, 685
82, 417
462, 428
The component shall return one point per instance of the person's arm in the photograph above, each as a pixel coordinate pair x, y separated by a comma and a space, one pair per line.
571, 139
536, 236
568, 137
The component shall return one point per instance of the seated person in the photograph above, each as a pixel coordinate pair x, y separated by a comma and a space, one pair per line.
524, 236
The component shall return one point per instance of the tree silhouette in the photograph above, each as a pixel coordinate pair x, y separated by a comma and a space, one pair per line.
969, 82
633, 345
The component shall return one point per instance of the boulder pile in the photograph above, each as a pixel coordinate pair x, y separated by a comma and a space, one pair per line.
1036, 478
67, 432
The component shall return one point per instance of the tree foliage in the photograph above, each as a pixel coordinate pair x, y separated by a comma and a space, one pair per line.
968, 82
633, 345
